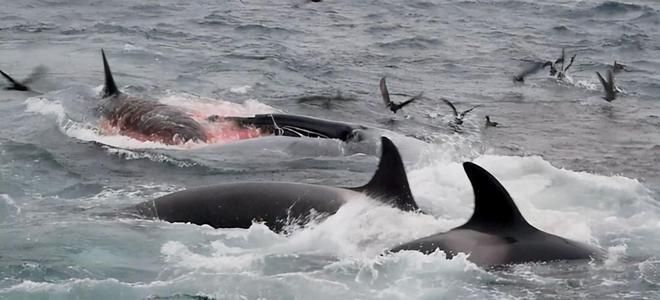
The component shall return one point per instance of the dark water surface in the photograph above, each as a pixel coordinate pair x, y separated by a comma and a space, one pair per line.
577, 165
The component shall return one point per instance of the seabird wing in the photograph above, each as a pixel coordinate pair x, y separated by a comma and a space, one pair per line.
15, 85
451, 105
384, 92
411, 100
612, 87
610, 94
560, 60
570, 63
602, 81
469, 110
9, 78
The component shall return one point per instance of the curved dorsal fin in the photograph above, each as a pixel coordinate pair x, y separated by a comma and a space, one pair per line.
110, 88
390, 182
493, 207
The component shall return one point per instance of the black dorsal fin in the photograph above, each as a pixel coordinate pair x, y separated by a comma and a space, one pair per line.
110, 88
390, 182
493, 207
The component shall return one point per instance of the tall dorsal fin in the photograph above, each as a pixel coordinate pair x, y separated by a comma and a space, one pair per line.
493, 207
390, 182
110, 88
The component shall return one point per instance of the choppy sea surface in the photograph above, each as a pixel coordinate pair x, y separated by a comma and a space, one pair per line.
576, 165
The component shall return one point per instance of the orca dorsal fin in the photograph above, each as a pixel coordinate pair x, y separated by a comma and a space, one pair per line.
110, 88
390, 182
493, 207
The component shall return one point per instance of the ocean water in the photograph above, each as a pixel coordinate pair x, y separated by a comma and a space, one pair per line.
576, 165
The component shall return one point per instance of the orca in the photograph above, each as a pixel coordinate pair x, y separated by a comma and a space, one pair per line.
278, 204
497, 233
150, 120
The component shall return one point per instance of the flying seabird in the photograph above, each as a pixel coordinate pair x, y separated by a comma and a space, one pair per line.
394, 107
458, 118
36, 74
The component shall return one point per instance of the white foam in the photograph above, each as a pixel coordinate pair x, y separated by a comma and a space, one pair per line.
131, 47
241, 90
43, 106
614, 256
157, 157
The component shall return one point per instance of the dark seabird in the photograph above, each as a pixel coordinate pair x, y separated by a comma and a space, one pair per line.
394, 107
608, 86
489, 123
557, 68
37, 74
458, 118
617, 67
561, 71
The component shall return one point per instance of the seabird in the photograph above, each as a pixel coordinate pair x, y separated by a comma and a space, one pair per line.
617, 67
36, 74
458, 118
561, 72
489, 123
394, 107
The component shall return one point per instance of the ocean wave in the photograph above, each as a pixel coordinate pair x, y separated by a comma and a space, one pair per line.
265, 29
219, 18
628, 41
30, 27
411, 43
615, 7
